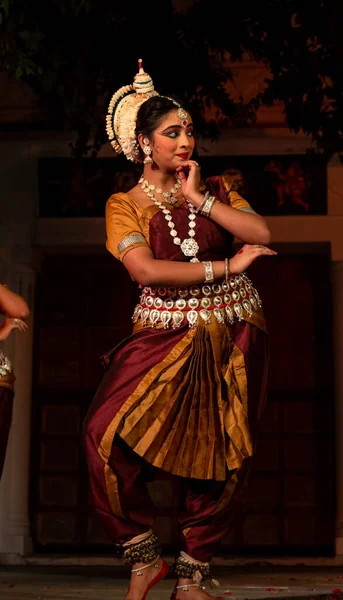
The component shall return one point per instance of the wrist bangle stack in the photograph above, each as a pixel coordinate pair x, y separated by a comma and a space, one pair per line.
206, 205
209, 277
201, 206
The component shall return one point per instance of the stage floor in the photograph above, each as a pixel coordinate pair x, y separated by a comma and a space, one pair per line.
110, 583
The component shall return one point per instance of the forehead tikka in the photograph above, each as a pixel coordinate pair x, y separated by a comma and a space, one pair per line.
181, 113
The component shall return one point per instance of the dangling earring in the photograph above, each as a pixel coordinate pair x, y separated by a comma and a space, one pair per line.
147, 151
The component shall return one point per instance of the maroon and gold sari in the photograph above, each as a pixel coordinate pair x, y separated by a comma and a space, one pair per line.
185, 399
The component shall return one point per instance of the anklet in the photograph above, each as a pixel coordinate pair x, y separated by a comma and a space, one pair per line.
188, 585
145, 551
140, 569
188, 568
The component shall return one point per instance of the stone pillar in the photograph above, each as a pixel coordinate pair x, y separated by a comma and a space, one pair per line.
337, 289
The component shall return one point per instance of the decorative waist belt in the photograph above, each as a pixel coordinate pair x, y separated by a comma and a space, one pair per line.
171, 305
5, 365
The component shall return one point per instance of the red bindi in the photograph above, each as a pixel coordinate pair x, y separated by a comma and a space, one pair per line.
241, 252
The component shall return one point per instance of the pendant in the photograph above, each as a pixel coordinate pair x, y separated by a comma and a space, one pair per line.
219, 315
238, 310
230, 314
192, 317
247, 307
154, 317
253, 302
136, 313
144, 316
5, 365
165, 318
177, 319
189, 247
205, 315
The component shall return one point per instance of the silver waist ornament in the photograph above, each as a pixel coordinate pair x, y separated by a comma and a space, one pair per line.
5, 365
173, 306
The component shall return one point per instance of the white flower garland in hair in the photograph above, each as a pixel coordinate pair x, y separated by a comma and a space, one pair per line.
119, 94
126, 118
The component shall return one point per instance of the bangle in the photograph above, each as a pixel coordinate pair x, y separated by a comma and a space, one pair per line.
201, 206
227, 270
207, 206
208, 271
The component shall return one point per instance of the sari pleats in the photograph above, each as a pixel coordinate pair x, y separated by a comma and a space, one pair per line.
189, 413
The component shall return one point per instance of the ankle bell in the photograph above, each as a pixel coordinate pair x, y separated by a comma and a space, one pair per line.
147, 551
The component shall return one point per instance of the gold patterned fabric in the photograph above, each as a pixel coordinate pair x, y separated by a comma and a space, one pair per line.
189, 414
124, 222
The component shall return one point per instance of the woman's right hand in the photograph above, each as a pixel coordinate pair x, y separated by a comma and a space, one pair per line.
247, 255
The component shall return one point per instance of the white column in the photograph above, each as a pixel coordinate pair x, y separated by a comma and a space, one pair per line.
15, 536
337, 289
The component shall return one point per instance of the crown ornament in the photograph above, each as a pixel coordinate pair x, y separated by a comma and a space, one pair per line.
122, 114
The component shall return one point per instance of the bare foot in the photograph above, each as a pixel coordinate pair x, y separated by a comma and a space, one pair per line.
194, 592
140, 583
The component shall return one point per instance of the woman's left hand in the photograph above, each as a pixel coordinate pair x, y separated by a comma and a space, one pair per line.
189, 173
9, 324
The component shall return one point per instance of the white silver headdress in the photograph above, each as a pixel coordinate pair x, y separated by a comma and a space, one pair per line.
122, 114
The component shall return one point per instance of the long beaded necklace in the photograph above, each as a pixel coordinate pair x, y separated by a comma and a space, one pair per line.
189, 246
149, 190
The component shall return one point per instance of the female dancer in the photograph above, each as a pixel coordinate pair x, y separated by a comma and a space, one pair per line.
15, 309
185, 391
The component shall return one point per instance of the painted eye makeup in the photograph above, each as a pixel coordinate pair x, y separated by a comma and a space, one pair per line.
174, 133
171, 134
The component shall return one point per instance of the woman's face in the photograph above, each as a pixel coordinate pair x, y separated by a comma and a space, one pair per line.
173, 141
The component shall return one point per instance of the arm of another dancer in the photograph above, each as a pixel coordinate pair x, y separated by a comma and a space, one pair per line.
9, 325
13, 305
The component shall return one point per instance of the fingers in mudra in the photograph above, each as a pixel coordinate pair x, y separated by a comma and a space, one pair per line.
258, 249
18, 324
